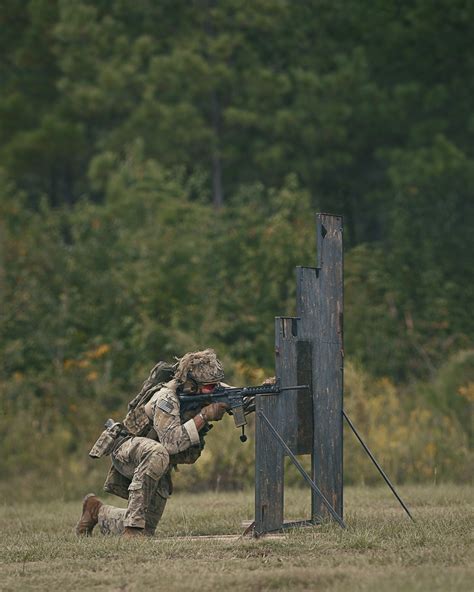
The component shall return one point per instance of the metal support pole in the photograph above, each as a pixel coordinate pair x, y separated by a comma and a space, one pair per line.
373, 459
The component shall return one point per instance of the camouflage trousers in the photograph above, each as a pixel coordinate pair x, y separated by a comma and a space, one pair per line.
145, 462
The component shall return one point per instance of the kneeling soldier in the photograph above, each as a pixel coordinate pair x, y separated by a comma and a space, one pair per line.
141, 464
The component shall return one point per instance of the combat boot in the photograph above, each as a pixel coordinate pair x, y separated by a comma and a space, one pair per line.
90, 515
132, 531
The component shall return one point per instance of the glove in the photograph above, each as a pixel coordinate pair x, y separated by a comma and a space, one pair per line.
270, 380
214, 411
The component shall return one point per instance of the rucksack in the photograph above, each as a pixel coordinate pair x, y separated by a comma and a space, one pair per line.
137, 421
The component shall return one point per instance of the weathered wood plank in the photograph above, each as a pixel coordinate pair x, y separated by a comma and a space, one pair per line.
304, 401
293, 367
269, 468
327, 451
288, 413
285, 406
269, 478
320, 307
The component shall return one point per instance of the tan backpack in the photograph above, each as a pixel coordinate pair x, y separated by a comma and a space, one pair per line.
137, 421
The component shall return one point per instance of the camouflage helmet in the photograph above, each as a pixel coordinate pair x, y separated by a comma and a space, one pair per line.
202, 367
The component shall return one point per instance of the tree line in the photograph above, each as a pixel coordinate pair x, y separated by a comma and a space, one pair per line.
161, 163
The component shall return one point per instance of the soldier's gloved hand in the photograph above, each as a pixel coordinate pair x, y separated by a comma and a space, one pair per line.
214, 411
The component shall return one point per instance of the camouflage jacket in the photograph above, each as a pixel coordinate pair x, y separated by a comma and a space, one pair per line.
181, 440
176, 436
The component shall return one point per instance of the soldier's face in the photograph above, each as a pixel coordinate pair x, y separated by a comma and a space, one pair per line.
207, 388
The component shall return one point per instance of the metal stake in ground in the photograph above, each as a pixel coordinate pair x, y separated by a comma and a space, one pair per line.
373, 459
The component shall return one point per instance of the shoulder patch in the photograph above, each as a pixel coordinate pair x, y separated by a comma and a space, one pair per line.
164, 405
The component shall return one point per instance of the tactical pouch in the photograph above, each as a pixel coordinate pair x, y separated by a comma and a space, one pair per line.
116, 483
106, 441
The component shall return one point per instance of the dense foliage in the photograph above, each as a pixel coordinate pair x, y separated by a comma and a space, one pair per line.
161, 166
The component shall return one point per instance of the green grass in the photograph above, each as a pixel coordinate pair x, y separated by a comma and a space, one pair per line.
381, 550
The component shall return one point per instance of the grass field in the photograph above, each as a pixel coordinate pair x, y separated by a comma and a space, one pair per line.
380, 551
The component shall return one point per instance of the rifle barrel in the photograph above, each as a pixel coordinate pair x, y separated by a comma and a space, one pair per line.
245, 391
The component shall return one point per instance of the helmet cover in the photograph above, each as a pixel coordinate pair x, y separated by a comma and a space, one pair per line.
203, 367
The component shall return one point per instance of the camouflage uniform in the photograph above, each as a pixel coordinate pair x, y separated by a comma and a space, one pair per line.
147, 462
141, 463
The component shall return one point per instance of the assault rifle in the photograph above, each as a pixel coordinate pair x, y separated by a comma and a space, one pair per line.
241, 400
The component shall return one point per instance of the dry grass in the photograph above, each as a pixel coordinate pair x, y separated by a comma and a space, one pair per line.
381, 550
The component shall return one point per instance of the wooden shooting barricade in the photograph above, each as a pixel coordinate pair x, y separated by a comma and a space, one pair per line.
309, 350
